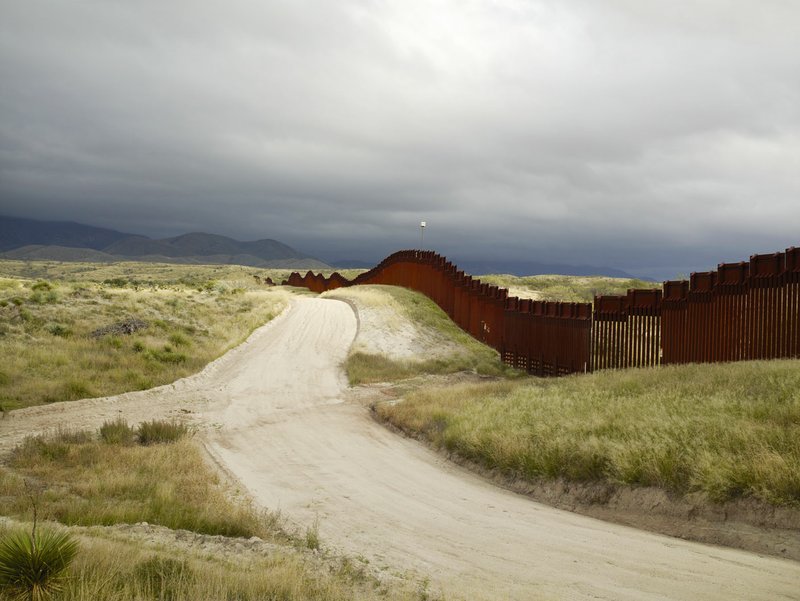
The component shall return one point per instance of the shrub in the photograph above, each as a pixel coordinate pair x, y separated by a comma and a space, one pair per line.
160, 431
33, 565
116, 282
179, 339
167, 355
76, 389
56, 329
117, 432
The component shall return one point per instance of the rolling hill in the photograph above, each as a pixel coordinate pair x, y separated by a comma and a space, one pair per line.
29, 239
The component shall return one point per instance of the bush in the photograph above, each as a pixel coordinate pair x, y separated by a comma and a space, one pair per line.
42, 285
160, 431
56, 329
33, 565
117, 432
179, 339
167, 355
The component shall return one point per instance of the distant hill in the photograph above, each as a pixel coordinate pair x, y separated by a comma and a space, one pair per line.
38, 252
16, 232
29, 239
521, 268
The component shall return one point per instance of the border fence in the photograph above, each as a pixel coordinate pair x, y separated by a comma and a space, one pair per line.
740, 311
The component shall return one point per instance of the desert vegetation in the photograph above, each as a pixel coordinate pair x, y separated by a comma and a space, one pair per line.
565, 288
102, 330
121, 475
720, 431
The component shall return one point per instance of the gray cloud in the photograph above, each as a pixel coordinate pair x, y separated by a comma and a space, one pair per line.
653, 137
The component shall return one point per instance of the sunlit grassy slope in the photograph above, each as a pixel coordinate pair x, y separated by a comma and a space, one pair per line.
724, 431
566, 288
48, 349
443, 346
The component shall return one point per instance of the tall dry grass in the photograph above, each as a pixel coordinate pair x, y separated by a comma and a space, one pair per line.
565, 288
724, 431
79, 480
49, 354
124, 571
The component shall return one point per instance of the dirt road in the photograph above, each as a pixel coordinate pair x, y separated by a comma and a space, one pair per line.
276, 414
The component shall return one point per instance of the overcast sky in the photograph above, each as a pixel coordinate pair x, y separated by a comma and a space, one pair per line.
656, 137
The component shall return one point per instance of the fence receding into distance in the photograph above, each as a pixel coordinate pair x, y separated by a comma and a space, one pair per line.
747, 310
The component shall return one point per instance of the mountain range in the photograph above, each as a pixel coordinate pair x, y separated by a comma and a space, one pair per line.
29, 239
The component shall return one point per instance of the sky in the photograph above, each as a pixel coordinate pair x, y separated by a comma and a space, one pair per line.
655, 137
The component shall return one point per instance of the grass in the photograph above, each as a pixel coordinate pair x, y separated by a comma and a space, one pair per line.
565, 288
136, 274
451, 348
82, 480
124, 569
160, 432
51, 331
722, 431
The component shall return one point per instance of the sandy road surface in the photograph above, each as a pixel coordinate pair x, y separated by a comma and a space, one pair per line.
276, 414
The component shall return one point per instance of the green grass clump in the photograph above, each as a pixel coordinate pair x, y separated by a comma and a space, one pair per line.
117, 431
33, 565
160, 431
725, 431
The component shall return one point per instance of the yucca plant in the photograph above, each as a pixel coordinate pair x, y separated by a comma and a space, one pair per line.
33, 565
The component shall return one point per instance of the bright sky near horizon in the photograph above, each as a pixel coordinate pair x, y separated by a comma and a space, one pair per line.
654, 137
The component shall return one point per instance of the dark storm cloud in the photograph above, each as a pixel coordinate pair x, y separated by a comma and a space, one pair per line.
654, 137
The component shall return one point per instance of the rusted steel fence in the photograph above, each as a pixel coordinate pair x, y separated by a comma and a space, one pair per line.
748, 310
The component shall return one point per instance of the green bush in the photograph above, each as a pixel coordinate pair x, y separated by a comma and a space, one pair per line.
116, 282
167, 355
42, 285
160, 431
117, 432
179, 340
33, 565
56, 329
